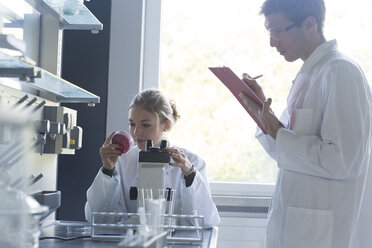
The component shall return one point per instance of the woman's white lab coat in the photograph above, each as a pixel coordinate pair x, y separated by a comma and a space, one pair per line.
323, 156
111, 194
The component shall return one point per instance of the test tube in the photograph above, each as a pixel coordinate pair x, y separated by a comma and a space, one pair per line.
148, 194
196, 222
168, 196
143, 195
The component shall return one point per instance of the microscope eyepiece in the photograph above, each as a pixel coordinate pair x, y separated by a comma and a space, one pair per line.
163, 145
148, 145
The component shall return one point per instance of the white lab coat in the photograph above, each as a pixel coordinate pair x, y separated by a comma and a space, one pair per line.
323, 156
111, 194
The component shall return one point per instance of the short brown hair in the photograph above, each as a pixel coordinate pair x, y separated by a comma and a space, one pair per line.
296, 10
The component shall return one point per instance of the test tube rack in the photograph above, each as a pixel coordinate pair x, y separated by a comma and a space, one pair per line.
176, 233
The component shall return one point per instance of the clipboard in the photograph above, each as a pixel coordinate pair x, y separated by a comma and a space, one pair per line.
236, 86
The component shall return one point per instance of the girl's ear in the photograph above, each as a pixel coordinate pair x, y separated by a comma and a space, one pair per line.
167, 125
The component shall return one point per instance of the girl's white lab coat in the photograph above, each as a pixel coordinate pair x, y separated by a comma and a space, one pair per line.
323, 156
111, 194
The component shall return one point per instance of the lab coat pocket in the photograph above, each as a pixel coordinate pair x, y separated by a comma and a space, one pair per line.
308, 228
301, 121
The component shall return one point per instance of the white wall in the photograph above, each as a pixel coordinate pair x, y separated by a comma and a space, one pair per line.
134, 56
236, 232
125, 66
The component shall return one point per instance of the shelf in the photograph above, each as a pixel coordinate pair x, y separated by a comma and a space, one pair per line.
72, 14
12, 67
10, 42
14, 73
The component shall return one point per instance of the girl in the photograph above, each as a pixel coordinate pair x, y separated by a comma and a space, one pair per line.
151, 114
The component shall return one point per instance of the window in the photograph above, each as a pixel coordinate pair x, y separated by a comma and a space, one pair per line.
198, 34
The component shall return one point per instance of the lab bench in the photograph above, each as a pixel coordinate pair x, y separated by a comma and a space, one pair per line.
67, 230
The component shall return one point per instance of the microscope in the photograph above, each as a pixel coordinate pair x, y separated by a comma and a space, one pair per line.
152, 163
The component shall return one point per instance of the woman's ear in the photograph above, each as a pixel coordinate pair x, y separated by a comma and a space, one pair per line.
167, 125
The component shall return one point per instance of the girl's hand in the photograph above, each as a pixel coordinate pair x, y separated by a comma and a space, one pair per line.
109, 154
179, 159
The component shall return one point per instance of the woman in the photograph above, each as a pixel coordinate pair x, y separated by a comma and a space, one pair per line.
151, 114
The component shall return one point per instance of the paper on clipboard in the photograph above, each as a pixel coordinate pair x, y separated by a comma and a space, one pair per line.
237, 86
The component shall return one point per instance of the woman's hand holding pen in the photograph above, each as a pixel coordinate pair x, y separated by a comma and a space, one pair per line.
109, 154
264, 113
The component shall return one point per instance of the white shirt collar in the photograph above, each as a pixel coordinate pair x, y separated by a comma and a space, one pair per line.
318, 54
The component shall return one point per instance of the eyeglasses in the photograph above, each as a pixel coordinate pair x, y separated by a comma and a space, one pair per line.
276, 32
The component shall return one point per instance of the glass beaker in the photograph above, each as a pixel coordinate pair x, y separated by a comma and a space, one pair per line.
154, 209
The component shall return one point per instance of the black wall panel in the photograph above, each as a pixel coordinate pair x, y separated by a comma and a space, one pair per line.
85, 60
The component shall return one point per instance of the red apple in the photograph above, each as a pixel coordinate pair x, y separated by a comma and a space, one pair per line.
123, 139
